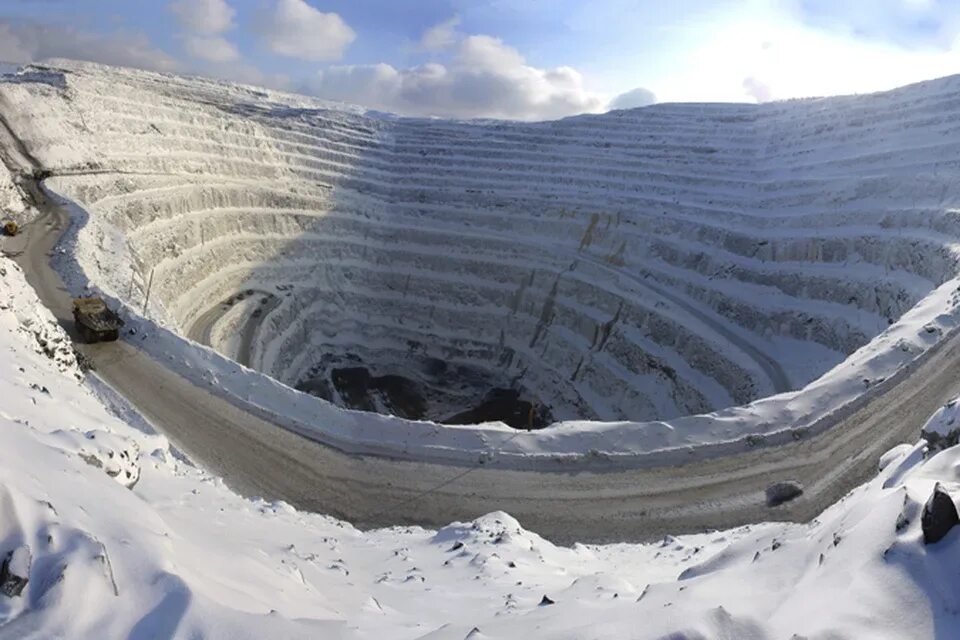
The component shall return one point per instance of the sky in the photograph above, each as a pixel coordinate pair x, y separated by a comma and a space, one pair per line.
523, 59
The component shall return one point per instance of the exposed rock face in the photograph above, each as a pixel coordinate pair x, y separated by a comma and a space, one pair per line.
782, 492
939, 516
939, 442
15, 571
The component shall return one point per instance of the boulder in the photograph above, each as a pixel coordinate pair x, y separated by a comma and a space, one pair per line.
939, 516
781, 492
940, 441
15, 571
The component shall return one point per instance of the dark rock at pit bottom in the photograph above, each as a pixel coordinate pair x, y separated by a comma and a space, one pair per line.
505, 405
355, 387
401, 395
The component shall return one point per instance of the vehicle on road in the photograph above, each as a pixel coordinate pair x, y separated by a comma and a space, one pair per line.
95, 321
10, 228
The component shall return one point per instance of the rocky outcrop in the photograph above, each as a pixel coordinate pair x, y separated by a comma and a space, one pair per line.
939, 516
15, 571
942, 430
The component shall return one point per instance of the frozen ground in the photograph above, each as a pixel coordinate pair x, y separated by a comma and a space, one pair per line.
634, 266
179, 555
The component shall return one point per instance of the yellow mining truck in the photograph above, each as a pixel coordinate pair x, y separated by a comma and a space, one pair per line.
11, 228
95, 321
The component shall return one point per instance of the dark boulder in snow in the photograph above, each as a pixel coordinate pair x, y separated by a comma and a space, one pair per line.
15, 571
782, 492
547, 601
938, 441
939, 516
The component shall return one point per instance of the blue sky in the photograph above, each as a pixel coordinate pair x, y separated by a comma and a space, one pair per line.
507, 58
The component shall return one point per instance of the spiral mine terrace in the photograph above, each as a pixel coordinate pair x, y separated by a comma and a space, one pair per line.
633, 266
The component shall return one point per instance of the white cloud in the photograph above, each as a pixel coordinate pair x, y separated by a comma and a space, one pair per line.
203, 16
295, 29
22, 42
485, 78
757, 90
634, 98
203, 22
441, 36
784, 54
486, 53
210, 48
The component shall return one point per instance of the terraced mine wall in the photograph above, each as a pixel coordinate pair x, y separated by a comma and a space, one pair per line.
636, 265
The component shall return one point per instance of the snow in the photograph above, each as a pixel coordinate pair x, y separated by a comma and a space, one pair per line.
944, 421
174, 553
180, 555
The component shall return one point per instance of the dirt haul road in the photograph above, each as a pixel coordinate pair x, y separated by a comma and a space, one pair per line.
258, 458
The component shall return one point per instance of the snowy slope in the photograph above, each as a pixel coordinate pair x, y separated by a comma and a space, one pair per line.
179, 555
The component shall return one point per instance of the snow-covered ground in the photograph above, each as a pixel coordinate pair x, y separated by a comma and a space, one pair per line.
118, 536
179, 555
629, 268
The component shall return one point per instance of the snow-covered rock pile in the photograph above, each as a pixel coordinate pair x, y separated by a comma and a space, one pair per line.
180, 556
636, 265
24, 315
942, 430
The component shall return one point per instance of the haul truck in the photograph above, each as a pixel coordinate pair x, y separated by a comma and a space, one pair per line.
95, 321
